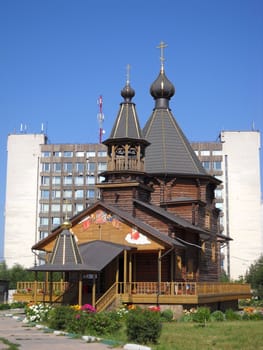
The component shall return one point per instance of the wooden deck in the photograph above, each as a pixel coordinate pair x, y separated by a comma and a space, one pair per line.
173, 293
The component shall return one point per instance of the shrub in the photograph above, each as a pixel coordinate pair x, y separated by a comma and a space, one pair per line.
217, 316
167, 315
143, 326
104, 323
37, 312
202, 315
77, 323
232, 315
60, 316
5, 306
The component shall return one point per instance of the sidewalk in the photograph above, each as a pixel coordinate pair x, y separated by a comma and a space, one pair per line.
31, 338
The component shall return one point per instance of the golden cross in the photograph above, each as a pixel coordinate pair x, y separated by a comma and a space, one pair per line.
128, 69
162, 46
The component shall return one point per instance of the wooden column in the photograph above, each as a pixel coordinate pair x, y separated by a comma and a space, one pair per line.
80, 289
94, 291
117, 274
35, 288
124, 269
51, 287
130, 268
159, 273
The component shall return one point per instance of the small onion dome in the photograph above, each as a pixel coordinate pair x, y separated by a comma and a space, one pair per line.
162, 87
127, 92
66, 225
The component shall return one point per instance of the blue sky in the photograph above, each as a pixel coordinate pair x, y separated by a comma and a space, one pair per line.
58, 56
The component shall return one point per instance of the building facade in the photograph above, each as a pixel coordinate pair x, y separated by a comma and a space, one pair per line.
235, 160
44, 184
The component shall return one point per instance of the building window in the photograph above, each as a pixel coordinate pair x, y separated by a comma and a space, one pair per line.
46, 154
68, 180
102, 166
79, 180
102, 154
205, 153
45, 180
197, 153
90, 180
67, 194
219, 206
80, 154
44, 194
43, 221
67, 208
218, 194
79, 167
91, 154
206, 165
207, 221
57, 167
68, 154
57, 154
56, 194
217, 165
55, 207
43, 234
56, 180
217, 153
46, 167
79, 207
213, 253
68, 167
79, 194
90, 193
55, 221
91, 167
101, 179
44, 208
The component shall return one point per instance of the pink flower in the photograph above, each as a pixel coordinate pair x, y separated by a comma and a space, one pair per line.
88, 308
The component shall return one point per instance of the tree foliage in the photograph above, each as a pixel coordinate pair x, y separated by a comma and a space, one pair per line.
254, 276
18, 273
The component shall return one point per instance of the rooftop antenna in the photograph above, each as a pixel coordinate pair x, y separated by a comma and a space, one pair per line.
100, 117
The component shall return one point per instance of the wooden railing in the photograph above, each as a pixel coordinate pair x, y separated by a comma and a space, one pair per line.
40, 291
107, 298
170, 292
184, 288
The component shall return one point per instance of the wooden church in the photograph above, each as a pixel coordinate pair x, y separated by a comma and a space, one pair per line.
154, 235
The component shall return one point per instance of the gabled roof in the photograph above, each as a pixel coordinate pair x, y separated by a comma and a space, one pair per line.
179, 221
142, 226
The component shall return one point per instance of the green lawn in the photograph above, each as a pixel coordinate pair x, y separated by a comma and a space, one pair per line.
228, 335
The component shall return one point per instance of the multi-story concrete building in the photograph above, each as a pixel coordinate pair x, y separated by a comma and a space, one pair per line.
47, 182
235, 160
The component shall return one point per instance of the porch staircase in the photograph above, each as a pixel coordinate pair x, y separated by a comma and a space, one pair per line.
109, 299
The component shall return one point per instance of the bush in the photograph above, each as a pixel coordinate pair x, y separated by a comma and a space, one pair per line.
232, 315
202, 315
77, 323
217, 316
60, 317
37, 312
167, 315
143, 326
104, 323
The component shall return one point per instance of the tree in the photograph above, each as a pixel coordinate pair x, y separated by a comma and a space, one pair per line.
254, 276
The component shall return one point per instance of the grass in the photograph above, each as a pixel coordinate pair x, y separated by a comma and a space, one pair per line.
11, 346
245, 335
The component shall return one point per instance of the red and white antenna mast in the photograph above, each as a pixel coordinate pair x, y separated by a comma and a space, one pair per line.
100, 119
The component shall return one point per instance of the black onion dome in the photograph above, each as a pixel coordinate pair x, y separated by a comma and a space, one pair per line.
127, 92
162, 87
